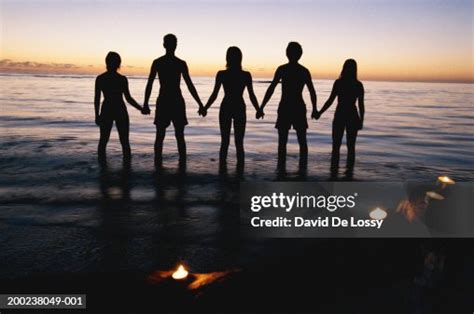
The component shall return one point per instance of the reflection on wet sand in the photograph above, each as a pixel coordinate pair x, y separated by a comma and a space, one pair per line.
114, 215
187, 217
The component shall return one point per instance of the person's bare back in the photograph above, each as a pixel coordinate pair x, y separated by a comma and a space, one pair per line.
169, 69
170, 106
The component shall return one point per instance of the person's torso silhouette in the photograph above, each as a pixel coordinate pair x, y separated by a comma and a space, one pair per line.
170, 101
292, 108
169, 70
233, 109
293, 79
347, 91
234, 83
113, 86
170, 105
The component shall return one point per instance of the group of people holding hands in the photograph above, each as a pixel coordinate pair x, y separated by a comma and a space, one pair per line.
170, 105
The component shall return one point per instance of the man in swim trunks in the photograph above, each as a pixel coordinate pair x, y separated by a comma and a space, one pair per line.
170, 106
292, 109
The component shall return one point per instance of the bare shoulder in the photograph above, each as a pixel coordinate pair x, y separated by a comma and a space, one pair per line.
157, 62
280, 71
335, 86
123, 78
304, 70
282, 67
179, 61
99, 80
247, 75
100, 77
220, 74
360, 86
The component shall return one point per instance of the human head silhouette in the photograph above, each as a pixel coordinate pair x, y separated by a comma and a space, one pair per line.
170, 42
294, 51
234, 58
349, 70
113, 60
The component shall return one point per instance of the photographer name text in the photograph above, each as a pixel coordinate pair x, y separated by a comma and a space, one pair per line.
320, 222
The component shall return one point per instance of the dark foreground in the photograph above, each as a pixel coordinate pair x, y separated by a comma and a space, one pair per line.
105, 231
333, 276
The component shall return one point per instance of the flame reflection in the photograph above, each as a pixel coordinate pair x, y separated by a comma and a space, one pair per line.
196, 280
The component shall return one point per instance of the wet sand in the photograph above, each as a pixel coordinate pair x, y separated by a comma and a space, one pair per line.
83, 227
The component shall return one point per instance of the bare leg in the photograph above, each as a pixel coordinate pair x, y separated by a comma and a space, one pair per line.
239, 133
282, 140
337, 133
301, 134
179, 134
160, 137
351, 136
123, 128
105, 129
225, 125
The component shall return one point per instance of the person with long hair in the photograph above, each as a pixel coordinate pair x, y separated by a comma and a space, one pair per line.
233, 108
348, 89
114, 86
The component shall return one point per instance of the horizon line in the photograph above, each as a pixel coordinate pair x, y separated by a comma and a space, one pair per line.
315, 77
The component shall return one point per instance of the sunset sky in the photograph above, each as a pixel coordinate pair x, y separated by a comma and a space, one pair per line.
391, 40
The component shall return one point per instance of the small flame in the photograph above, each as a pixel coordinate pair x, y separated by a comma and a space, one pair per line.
445, 180
180, 273
378, 213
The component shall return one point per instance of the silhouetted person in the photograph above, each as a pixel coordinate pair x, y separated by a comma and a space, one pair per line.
292, 109
114, 86
170, 106
232, 109
348, 90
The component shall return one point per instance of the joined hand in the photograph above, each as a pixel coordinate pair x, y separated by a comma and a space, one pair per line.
315, 115
145, 110
202, 111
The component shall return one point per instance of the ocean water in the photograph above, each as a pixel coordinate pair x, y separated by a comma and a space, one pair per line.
412, 130
60, 212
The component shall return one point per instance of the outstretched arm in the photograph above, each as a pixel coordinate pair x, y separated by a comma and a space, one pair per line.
215, 92
271, 89
129, 97
361, 108
97, 100
312, 93
252, 97
330, 100
190, 85
149, 86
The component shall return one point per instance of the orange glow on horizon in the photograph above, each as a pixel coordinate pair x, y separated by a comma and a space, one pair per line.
391, 41
319, 70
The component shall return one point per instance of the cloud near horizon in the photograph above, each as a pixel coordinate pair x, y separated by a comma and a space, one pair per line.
34, 67
8, 63
11, 66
